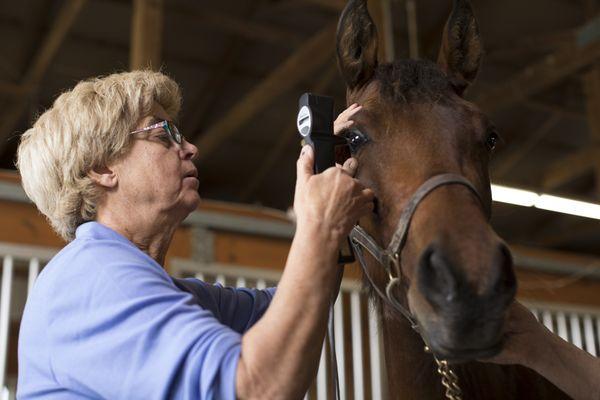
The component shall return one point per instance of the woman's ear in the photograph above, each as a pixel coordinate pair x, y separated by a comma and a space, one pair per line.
104, 176
461, 52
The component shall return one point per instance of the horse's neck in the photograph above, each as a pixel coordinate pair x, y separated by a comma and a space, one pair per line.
411, 373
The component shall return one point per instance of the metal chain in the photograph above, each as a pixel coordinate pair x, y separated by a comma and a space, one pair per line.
449, 378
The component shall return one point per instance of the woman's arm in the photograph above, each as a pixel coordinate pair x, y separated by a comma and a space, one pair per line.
280, 353
530, 344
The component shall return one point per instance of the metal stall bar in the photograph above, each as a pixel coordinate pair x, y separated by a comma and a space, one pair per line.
338, 322
322, 376
588, 333
34, 271
5, 296
575, 330
547, 319
374, 345
561, 324
240, 282
357, 357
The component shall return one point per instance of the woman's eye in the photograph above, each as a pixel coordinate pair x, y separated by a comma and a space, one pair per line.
164, 137
492, 140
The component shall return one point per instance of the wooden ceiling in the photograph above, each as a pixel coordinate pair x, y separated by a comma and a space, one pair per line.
242, 65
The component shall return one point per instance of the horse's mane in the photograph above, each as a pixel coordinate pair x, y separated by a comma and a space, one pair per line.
413, 81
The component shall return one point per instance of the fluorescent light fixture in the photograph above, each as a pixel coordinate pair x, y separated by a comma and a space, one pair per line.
504, 194
568, 206
525, 198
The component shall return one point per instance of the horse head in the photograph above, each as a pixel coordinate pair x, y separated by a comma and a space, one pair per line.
458, 277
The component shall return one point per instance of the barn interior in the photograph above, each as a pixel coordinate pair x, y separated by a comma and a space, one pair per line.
242, 65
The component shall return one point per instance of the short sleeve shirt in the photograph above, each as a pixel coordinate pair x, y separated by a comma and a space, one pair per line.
105, 321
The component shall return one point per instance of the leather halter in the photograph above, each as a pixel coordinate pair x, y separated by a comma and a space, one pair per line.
390, 257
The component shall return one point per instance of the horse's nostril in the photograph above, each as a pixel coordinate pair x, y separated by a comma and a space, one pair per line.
503, 276
436, 277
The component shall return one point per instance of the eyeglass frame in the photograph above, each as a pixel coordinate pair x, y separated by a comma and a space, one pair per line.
167, 126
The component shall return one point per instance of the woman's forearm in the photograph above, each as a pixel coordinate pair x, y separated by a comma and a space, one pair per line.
571, 369
280, 353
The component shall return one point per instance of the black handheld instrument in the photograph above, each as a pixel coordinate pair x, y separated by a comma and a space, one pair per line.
315, 125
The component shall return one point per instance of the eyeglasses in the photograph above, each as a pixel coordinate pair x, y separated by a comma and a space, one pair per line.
167, 126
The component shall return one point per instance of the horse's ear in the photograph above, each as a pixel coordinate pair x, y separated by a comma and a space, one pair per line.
356, 44
462, 50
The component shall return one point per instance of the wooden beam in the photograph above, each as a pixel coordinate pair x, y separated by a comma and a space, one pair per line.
591, 85
584, 51
243, 27
289, 136
413, 30
333, 5
41, 61
579, 229
12, 89
546, 42
300, 65
554, 109
568, 168
212, 89
146, 35
503, 167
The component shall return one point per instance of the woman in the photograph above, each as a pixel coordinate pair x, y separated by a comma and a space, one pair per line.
115, 178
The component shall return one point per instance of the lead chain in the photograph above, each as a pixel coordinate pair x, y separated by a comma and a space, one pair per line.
449, 380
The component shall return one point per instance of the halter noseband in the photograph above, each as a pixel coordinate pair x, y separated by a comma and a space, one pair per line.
390, 258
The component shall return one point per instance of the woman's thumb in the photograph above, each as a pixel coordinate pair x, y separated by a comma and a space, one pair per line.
305, 164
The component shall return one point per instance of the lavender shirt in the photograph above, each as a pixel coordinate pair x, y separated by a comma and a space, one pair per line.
104, 320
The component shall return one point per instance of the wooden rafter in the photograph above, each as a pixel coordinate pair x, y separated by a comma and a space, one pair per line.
502, 168
591, 82
238, 26
146, 34
588, 159
334, 5
41, 61
213, 87
567, 168
298, 66
583, 52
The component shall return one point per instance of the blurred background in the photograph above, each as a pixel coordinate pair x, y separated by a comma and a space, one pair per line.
242, 65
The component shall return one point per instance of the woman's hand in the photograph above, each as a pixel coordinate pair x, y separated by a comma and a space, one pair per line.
530, 344
332, 201
344, 120
523, 332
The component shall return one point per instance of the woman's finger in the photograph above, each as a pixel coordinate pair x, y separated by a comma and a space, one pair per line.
350, 166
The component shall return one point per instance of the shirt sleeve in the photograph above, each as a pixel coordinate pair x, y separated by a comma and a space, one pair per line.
237, 308
132, 334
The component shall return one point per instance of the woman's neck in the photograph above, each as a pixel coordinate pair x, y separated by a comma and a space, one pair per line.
151, 235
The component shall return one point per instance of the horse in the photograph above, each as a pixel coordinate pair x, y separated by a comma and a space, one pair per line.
457, 279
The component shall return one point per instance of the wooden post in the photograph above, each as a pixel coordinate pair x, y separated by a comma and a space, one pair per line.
381, 10
413, 30
146, 34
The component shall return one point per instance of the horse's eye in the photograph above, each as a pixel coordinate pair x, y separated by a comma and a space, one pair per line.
492, 140
355, 139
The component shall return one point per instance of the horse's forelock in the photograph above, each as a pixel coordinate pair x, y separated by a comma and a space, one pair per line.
413, 81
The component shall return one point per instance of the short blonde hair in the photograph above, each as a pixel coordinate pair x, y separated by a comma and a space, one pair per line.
86, 127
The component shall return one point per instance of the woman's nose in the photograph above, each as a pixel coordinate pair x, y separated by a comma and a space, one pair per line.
189, 150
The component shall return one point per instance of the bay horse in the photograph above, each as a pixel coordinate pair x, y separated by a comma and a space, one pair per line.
457, 274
